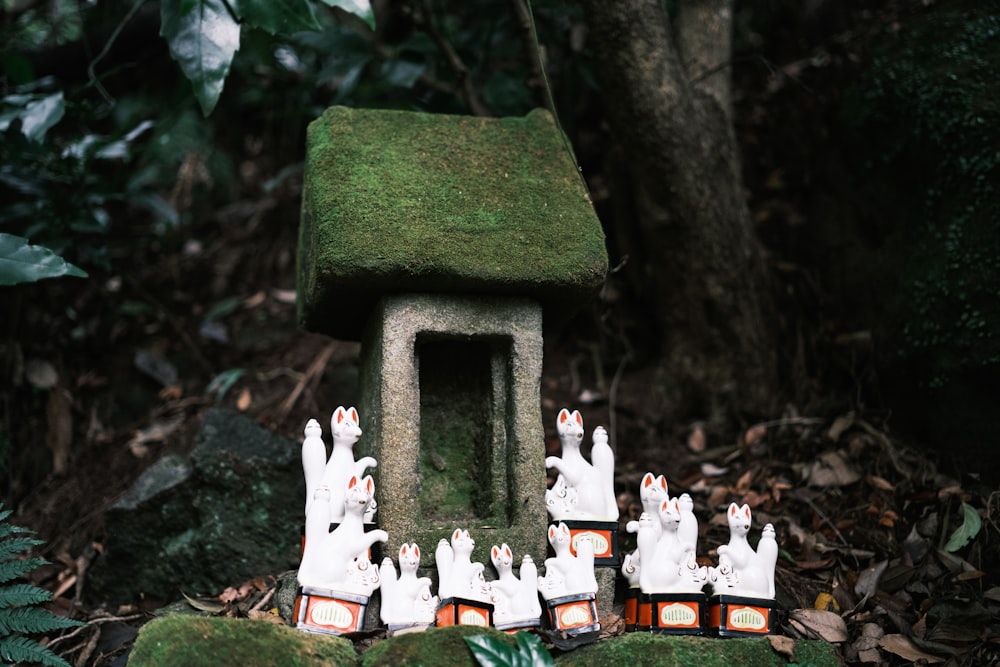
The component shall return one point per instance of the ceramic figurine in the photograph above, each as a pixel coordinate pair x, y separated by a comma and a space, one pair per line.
668, 565
516, 599
566, 574
591, 485
407, 599
742, 571
341, 466
338, 560
458, 576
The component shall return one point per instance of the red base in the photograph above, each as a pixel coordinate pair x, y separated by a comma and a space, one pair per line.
733, 616
573, 614
327, 612
672, 613
459, 611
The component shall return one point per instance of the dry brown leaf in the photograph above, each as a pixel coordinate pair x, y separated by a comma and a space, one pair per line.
743, 483
244, 400
820, 624
753, 434
40, 374
158, 431
697, 441
879, 483
204, 604
902, 646
826, 602
783, 646
284, 295
831, 469
839, 425
868, 579
254, 300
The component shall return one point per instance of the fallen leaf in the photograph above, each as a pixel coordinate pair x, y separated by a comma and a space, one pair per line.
712, 470
211, 606
155, 365
244, 400
879, 483
871, 633
743, 483
902, 646
783, 646
754, 433
697, 442
839, 425
868, 579
158, 431
819, 624
831, 469
826, 602
971, 523
284, 295
254, 300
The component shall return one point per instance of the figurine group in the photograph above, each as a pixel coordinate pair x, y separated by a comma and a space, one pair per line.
336, 558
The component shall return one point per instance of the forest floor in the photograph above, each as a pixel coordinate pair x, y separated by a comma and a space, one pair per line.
883, 551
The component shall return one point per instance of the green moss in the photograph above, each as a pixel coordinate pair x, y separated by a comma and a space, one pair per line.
641, 650
441, 647
401, 201
190, 641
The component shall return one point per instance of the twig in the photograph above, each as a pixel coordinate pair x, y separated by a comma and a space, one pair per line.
264, 600
93, 80
93, 622
315, 369
468, 90
532, 52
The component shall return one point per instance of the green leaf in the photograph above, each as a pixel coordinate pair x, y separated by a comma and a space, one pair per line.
21, 650
16, 568
277, 16
360, 8
23, 263
23, 595
203, 40
971, 523
492, 652
533, 650
15, 545
40, 115
30, 620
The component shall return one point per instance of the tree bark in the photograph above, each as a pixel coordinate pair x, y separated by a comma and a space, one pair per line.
692, 254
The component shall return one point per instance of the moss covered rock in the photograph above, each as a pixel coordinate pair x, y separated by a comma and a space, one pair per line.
641, 650
191, 641
442, 647
397, 201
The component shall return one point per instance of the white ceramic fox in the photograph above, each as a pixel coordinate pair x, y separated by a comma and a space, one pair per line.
335, 472
458, 576
592, 481
669, 566
516, 599
743, 571
337, 559
566, 574
406, 600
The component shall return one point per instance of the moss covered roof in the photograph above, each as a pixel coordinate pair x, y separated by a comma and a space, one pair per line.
397, 201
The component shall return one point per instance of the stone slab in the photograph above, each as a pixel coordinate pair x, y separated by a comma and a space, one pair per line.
419, 450
398, 200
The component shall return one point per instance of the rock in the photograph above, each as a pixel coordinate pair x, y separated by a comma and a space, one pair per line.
230, 511
195, 641
640, 649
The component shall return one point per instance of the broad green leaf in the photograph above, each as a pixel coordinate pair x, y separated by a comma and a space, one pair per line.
277, 16
203, 41
23, 263
533, 650
40, 115
491, 652
360, 8
971, 523
402, 73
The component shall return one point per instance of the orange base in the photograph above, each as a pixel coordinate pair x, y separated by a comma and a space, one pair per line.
327, 612
734, 616
460, 611
574, 614
672, 613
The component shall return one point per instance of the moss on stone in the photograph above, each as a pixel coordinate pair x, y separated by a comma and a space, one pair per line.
190, 641
397, 201
442, 647
641, 650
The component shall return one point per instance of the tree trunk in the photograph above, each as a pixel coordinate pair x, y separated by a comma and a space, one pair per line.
692, 254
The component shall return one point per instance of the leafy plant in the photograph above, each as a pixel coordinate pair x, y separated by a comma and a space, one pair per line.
20, 614
23, 263
491, 652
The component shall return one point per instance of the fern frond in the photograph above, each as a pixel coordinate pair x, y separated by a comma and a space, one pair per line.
4, 514
22, 595
21, 650
31, 620
16, 545
13, 569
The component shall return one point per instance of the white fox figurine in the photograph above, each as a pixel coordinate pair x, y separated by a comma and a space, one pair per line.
458, 576
592, 484
566, 574
668, 565
743, 571
334, 473
406, 600
338, 559
516, 599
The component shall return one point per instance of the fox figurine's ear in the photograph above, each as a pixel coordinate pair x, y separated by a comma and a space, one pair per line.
402, 551
564, 529
352, 482
663, 482
457, 534
416, 550
746, 511
369, 485
648, 480
495, 552
578, 417
664, 505
339, 414
353, 414
552, 532
563, 416
507, 552
733, 509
